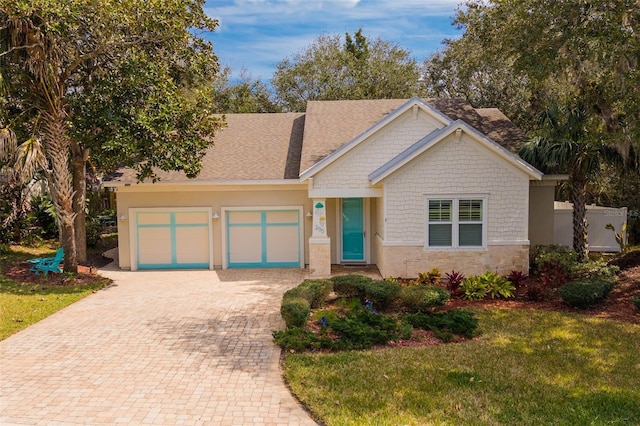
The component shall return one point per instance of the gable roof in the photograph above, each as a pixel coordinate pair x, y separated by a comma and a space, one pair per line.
437, 136
269, 146
325, 130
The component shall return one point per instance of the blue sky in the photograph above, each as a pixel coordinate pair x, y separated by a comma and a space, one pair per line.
257, 34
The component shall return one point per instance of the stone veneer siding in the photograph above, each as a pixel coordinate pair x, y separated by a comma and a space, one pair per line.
407, 262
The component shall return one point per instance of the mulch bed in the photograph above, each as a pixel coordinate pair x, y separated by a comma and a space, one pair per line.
86, 273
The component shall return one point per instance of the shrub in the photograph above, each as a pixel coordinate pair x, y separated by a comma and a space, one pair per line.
582, 294
295, 311
596, 269
445, 324
498, 286
381, 293
487, 284
428, 278
364, 329
94, 230
313, 291
473, 288
553, 264
349, 285
517, 278
636, 301
454, 279
423, 299
297, 339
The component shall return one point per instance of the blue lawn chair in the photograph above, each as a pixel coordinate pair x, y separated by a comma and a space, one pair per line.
48, 264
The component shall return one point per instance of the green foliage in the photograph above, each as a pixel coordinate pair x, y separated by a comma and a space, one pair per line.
381, 293
636, 301
595, 269
330, 70
553, 264
295, 311
313, 291
423, 298
474, 288
299, 340
94, 230
428, 278
349, 285
44, 214
582, 294
446, 324
363, 330
488, 284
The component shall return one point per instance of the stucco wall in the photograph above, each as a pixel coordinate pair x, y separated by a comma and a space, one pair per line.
541, 213
352, 169
216, 198
457, 168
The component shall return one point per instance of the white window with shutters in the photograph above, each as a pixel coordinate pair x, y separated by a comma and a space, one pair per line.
456, 222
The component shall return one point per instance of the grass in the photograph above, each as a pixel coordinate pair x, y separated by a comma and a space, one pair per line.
528, 368
23, 304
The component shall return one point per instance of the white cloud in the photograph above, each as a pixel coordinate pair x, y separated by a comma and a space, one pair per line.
256, 34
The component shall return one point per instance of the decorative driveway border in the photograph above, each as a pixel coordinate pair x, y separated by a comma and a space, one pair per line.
156, 347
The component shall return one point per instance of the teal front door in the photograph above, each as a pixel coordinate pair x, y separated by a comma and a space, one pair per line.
353, 230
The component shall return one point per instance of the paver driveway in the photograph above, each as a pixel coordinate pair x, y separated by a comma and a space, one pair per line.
170, 347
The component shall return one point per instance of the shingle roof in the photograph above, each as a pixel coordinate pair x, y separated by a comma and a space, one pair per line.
250, 147
270, 146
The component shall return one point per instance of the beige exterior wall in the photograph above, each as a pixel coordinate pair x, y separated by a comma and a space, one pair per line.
541, 213
457, 168
408, 261
216, 197
351, 171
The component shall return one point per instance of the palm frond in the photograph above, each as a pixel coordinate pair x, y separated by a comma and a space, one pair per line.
30, 158
8, 145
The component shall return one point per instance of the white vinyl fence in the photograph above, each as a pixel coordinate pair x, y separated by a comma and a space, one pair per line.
600, 238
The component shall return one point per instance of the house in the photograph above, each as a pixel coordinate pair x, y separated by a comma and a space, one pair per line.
407, 185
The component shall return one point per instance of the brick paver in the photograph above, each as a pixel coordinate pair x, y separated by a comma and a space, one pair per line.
170, 347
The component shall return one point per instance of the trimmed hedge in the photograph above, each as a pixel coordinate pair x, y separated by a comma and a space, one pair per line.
423, 298
582, 294
350, 285
381, 293
313, 291
295, 311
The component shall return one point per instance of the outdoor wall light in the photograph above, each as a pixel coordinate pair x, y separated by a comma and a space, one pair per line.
123, 216
215, 216
309, 215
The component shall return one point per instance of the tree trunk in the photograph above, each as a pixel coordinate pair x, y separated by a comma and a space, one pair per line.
57, 150
580, 235
79, 163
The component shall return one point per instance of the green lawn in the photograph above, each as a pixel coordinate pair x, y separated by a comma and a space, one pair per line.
528, 368
22, 304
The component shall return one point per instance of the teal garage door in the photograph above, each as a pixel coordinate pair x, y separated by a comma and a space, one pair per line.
173, 239
263, 238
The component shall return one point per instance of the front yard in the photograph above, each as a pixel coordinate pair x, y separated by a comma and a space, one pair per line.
26, 298
528, 367
533, 362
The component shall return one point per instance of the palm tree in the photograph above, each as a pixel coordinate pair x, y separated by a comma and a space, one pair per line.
566, 145
33, 60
